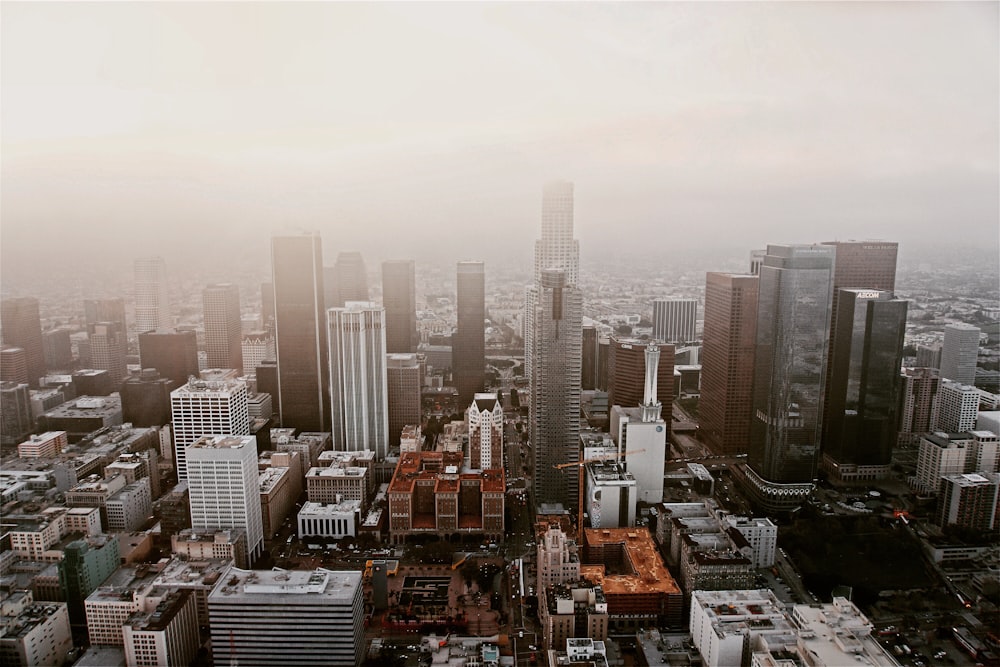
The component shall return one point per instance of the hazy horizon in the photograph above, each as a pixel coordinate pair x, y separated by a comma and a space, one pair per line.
427, 131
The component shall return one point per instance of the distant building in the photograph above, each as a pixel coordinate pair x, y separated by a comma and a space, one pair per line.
173, 353
146, 399
957, 409
469, 342
918, 404
627, 372
57, 349
15, 412
929, 356
403, 383
223, 326
45, 445
944, 454
83, 416
108, 347
257, 347
346, 280
13, 364
152, 295
105, 310
968, 501
226, 544
92, 382
21, 326
959, 353
675, 320
400, 302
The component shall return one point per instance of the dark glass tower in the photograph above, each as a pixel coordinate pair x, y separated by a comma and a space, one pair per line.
399, 298
793, 313
300, 332
22, 327
173, 353
469, 343
860, 427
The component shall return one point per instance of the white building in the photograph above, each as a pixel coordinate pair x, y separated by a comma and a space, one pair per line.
610, 495
558, 560
959, 352
485, 419
675, 320
165, 635
266, 618
152, 296
985, 453
337, 520
958, 408
724, 624
641, 435
969, 501
129, 509
940, 454
257, 346
45, 445
34, 634
760, 533
223, 487
836, 634
358, 392
207, 407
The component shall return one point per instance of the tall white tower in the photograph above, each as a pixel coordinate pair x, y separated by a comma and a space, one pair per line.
207, 407
358, 393
485, 417
650, 405
152, 298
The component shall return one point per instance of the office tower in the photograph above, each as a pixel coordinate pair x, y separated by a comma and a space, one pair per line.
105, 310
346, 280
173, 353
152, 297
399, 298
15, 412
223, 334
968, 501
469, 343
267, 306
929, 356
860, 427
674, 320
358, 393
13, 364
727, 361
959, 352
146, 399
267, 618
300, 332
588, 368
627, 372
57, 349
485, 417
92, 382
793, 314
756, 259
555, 384
21, 326
958, 407
206, 407
223, 486
403, 380
258, 346
918, 403
864, 264
108, 347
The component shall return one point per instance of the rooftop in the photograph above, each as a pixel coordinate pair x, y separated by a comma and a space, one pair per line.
274, 586
650, 575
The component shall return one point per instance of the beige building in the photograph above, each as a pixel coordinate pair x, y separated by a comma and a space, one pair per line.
228, 544
165, 635
34, 634
279, 489
576, 609
325, 485
46, 445
558, 560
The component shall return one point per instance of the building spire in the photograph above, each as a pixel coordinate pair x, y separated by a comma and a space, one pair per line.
650, 406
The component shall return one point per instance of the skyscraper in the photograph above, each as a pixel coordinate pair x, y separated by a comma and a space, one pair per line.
588, 372
918, 403
860, 428
641, 432
958, 407
105, 310
302, 399
224, 487
152, 297
959, 352
258, 346
403, 379
21, 326
173, 353
206, 407
469, 343
793, 313
485, 417
399, 297
627, 372
727, 361
57, 349
675, 320
358, 393
346, 280
108, 347
223, 328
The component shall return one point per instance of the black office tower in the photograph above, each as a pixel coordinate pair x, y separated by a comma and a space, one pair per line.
399, 298
469, 343
173, 353
22, 327
300, 332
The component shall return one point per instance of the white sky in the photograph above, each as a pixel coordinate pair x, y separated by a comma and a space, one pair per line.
419, 129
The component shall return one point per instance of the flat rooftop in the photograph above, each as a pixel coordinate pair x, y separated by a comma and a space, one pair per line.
650, 575
317, 587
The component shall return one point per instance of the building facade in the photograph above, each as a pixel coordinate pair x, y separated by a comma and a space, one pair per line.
957, 408
173, 353
469, 343
223, 326
399, 298
959, 353
918, 403
403, 382
486, 424
152, 295
21, 327
206, 407
675, 320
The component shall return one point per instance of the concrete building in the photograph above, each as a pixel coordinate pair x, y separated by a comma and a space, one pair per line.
223, 326
486, 425
83, 416
302, 392
280, 488
108, 347
727, 361
403, 382
829, 635
968, 501
675, 320
399, 298
13, 364
929, 356
411, 439
558, 561
57, 349
136, 466
760, 533
572, 609
337, 520
44, 445
309, 445
229, 545
627, 372
206, 407
430, 494
725, 625
21, 326
223, 484
35, 634
87, 563
609, 495
958, 408
270, 618
358, 392
16, 421
129, 509
146, 399
918, 404
257, 346
167, 634
152, 295
469, 341
943, 454
959, 353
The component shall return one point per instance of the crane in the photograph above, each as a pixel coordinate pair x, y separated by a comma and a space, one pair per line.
596, 459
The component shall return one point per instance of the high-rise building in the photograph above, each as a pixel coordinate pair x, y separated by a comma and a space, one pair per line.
958, 408
346, 280
15, 412
223, 486
258, 346
263, 618
358, 392
146, 399
675, 320
399, 298
152, 295
105, 310
627, 372
13, 364
403, 381
727, 361
485, 417
929, 356
108, 347
968, 501
865, 264
918, 403
959, 352
21, 326
207, 407
756, 259
469, 343
302, 395
223, 334
793, 314
588, 369
173, 353
860, 428
57, 349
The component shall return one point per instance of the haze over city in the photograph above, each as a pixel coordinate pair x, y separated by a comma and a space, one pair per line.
420, 130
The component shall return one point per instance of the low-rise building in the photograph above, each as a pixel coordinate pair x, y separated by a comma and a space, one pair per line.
130, 508
34, 634
760, 533
167, 634
336, 520
573, 609
724, 624
229, 544
45, 445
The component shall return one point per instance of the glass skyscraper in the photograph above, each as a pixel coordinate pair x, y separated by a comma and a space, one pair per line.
469, 343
